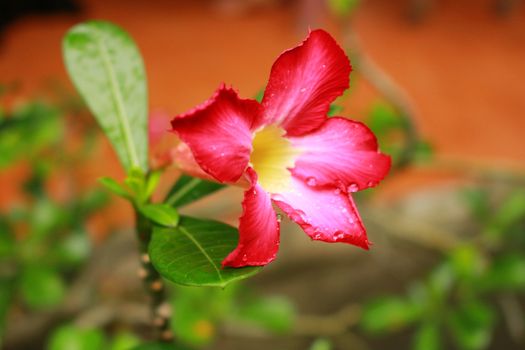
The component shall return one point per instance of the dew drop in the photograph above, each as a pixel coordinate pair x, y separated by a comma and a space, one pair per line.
279, 217
311, 181
302, 90
222, 154
370, 183
244, 258
353, 187
337, 191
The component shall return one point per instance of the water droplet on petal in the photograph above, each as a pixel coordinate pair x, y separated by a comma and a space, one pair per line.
370, 183
311, 181
279, 217
302, 90
337, 191
353, 187
245, 258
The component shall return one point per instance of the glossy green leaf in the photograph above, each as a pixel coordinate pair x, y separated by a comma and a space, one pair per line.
41, 287
189, 189
75, 338
388, 315
191, 253
427, 337
161, 214
107, 69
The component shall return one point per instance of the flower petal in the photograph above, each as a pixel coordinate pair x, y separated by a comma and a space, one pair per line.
258, 228
325, 214
304, 81
219, 133
182, 158
341, 152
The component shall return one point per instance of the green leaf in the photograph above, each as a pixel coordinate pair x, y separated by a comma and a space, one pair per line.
6, 294
275, 314
113, 186
161, 214
427, 337
383, 118
198, 311
74, 338
188, 189
471, 325
506, 273
321, 344
511, 212
41, 287
343, 7
124, 341
467, 261
73, 249
388, 315
107, 69
334, 110
159, 346
259, 96
191, 254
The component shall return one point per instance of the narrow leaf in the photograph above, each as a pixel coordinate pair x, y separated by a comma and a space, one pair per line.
191, 254
113, 186
189, 189
107, 69
161, 214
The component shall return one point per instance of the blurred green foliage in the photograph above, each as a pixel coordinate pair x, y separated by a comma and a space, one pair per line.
71, 337
201, 312
458, 298
393, 131
43, 240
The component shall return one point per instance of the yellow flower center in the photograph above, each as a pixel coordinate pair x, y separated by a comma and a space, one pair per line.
271, 157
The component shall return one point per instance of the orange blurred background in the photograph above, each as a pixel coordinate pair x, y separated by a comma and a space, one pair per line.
462, 65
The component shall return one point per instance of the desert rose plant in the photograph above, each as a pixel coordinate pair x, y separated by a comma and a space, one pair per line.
284, 151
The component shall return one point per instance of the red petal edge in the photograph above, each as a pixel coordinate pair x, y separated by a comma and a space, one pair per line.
219, 133
304, 81
325, 214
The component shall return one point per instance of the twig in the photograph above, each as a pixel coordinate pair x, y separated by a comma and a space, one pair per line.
513, 316
388, 88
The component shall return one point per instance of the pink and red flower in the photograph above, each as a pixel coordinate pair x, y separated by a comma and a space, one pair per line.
289, 151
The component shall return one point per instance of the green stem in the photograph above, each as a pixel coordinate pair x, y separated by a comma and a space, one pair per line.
153, 283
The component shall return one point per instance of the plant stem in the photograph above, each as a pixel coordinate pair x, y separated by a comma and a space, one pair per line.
153, 283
